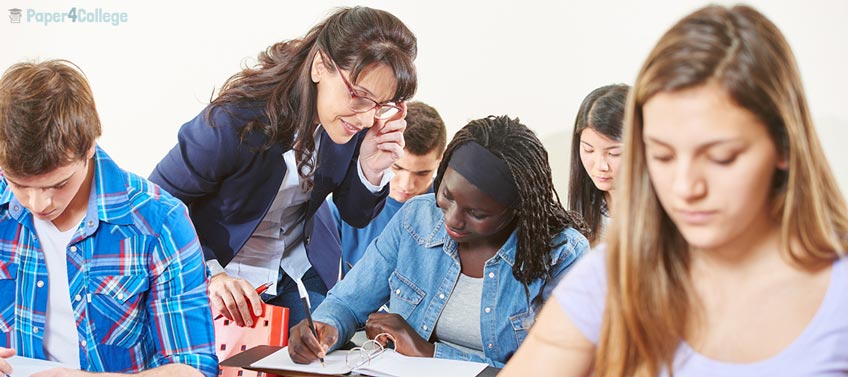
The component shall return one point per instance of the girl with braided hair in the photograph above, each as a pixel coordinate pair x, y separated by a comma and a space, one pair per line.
465, 269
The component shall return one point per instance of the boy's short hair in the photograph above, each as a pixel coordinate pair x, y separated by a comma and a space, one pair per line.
425, 130
47, 117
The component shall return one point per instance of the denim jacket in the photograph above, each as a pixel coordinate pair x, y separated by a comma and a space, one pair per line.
414, 265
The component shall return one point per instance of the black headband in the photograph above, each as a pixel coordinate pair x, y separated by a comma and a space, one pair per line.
486, 171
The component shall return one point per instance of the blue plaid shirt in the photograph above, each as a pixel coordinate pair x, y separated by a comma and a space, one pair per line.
136, 276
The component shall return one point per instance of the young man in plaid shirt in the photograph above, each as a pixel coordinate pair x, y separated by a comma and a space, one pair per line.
100, 270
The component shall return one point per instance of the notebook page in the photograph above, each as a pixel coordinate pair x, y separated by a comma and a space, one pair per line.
393, 364
335, 363
25, 366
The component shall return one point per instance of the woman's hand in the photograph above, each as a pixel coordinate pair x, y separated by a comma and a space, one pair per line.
408, 343
234, 298
382, 146
304, 348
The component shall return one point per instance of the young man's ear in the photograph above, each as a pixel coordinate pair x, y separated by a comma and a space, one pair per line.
90, 154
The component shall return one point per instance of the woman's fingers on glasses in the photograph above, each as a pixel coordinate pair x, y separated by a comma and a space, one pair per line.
387, 113
394, 137
398, 125
395, 111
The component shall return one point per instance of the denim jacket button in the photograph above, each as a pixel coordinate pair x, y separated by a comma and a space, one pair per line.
491, 275
397, 291
491, 346
442, 296
488, 310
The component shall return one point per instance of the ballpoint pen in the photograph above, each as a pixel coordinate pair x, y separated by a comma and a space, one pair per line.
259, 290
304, 298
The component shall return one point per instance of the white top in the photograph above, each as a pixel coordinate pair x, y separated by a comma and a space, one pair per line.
277, 241
820, 350
60, 329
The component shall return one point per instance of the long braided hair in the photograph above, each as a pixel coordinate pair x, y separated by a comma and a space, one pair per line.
540, 216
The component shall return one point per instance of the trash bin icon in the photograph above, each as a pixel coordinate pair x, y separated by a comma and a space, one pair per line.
15, 15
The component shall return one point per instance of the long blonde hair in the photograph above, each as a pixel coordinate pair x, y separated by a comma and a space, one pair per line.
649, 303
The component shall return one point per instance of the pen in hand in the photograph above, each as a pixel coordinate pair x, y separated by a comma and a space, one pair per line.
259, 290
304, 298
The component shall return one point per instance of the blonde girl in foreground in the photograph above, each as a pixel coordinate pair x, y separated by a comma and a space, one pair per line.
726, 255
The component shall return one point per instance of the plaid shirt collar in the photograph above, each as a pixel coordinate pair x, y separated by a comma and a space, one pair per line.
108, 201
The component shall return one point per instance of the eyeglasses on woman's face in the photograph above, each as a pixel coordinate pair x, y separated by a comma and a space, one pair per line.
360, 103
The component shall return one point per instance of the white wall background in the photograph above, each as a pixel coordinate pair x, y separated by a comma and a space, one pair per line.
531, 59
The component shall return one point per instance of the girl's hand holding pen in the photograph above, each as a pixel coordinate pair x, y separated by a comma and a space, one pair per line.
304, 348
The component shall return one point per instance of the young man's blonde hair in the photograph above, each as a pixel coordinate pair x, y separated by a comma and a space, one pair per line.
47, 117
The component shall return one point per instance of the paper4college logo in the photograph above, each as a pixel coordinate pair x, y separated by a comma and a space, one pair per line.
15, 15
74, 15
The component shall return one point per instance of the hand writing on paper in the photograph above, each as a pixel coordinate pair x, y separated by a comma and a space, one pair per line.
234, 299
304, 348
6, 353
382, 146
409, 343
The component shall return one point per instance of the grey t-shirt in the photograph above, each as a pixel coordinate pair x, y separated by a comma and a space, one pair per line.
820, 350
459, 324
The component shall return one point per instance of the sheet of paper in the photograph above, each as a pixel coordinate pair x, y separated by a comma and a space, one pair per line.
393, 364
25, 366
386, 364
334, 363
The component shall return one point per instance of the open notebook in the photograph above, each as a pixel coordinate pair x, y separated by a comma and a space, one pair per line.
386, 363
25, 366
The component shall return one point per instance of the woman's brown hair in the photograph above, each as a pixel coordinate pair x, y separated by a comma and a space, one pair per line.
356, 38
